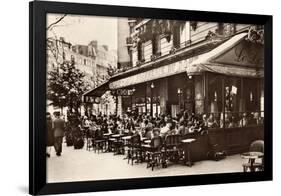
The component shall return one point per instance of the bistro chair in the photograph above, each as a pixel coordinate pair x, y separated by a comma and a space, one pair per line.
134, 149
98, 141
154, 152
172, 150
118, 145
252, 165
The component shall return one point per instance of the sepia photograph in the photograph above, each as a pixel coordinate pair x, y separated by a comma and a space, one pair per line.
142, 97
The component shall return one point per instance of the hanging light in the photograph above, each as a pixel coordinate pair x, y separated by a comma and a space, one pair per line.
215, 96
190, 77
152, 85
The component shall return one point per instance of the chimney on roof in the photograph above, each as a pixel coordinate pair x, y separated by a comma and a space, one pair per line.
94, 44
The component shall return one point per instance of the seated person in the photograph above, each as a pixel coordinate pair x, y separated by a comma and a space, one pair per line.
244, 121
156, 132
258, 119
232, 122
165, 130
181, 128
205, 120
211, 122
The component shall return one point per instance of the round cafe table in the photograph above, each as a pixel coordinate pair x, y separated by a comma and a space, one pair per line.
107, 134
186, 143
252, 156
126, 139
147, 141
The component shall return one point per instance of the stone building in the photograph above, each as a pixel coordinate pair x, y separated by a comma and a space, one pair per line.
93, 60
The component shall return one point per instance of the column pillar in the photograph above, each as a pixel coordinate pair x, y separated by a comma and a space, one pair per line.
163, 91
199, 94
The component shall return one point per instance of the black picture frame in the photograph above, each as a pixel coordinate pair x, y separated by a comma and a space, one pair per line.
37, 97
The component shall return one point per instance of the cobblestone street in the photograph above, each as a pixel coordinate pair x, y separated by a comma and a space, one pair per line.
83, 165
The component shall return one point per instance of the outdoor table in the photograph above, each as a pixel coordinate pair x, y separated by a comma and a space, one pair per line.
116, 135
147, 141
107, 134
186, 144
252, 156
126, 139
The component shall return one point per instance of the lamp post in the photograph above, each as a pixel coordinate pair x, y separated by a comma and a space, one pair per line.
151, 97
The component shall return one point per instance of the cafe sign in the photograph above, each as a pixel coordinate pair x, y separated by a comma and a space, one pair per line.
159, 72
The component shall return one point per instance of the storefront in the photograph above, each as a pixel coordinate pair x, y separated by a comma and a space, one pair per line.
225, 85
229, 92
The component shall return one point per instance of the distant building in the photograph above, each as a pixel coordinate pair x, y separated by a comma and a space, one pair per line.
93, 60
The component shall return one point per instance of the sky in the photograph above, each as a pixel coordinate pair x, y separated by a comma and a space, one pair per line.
78, 29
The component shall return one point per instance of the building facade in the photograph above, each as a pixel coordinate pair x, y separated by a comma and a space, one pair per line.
204, 68
93, 60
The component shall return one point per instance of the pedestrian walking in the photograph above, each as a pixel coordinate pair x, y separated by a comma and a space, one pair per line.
59, 126
50, 134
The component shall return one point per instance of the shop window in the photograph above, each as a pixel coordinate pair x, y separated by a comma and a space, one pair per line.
214, 101
232, 103
250, 95
232, 94
214, 93
85, 62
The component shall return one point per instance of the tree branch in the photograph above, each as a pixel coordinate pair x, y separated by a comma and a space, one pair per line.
56, 22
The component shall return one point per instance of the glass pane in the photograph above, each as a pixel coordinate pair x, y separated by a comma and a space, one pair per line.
214, 104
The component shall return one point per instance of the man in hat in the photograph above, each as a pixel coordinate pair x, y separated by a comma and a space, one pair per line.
59, 127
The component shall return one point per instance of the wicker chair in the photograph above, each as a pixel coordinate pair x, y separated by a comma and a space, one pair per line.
256, 146
134, 149
172, 150
98, 141
154, 152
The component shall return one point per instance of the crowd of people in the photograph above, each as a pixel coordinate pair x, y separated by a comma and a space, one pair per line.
184, 123
147, 126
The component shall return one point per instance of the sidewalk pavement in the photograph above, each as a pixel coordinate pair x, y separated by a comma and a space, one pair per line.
83, 165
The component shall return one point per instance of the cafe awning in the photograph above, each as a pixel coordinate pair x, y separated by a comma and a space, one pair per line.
235, 57
98, 91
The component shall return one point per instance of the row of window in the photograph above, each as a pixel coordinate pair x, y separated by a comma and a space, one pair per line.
80, 60
180, 36
156, 44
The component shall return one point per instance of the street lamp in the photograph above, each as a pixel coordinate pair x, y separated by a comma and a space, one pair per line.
151, 97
